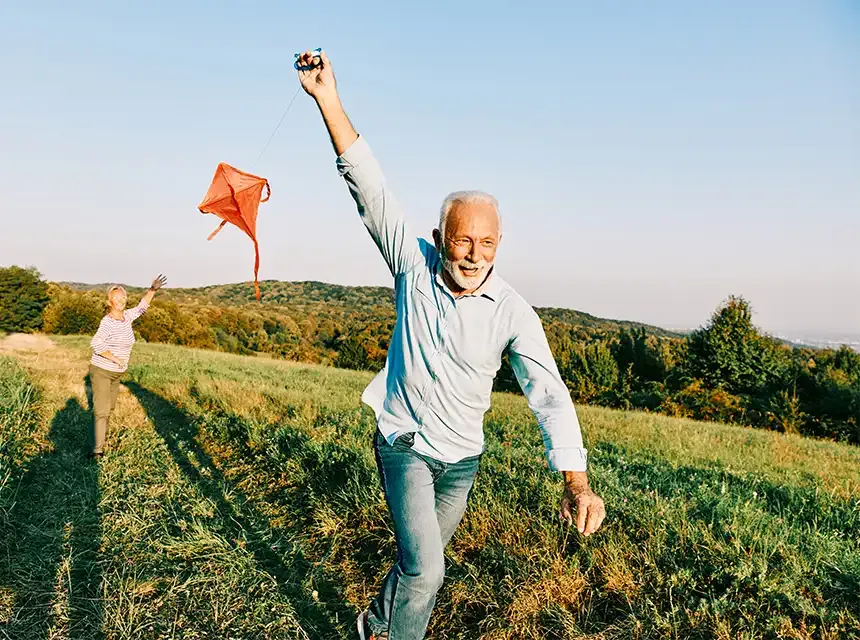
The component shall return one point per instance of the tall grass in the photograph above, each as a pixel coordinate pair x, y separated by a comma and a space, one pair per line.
18, 416
17, 404
713, 530
240, 499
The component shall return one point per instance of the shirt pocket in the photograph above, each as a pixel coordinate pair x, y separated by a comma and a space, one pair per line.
424, 291
426, 321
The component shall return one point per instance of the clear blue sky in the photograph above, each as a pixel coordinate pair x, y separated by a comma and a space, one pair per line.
650, 158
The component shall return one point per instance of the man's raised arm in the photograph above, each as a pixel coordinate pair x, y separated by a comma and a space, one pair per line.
377, 206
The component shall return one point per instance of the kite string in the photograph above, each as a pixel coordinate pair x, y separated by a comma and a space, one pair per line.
272, 137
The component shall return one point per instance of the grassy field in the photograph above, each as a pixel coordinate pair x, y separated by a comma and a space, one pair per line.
239, 499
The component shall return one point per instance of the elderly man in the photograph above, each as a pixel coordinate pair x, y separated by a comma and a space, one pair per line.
455, 318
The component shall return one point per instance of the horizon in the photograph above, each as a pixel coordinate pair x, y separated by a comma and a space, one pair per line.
660, 160
840, 337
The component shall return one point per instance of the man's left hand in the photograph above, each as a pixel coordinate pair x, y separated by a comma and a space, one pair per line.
590, 510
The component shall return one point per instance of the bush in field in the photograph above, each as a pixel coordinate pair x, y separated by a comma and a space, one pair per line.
642, 355
593, 371
703, 403
359, 351
828, 384
156, 325
71, 312
784, 412
352, 354
23, 297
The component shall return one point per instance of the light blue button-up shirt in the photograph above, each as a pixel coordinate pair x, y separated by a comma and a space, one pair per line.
445, 350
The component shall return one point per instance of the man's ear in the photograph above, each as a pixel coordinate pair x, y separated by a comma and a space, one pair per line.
437, 239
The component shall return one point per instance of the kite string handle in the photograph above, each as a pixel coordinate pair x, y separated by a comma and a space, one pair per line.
316, 60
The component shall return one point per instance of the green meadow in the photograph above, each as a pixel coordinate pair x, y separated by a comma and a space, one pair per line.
239, 498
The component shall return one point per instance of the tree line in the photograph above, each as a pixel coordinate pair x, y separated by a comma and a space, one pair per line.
726, 371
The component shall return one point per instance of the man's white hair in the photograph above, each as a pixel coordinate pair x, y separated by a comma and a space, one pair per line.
466, 197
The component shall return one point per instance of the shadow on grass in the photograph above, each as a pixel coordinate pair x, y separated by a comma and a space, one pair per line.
239, 519
311, 476
51, 538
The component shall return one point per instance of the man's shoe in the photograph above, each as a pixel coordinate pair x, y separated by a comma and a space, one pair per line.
364, 630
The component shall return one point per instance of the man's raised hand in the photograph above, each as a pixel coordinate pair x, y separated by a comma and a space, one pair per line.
318, 81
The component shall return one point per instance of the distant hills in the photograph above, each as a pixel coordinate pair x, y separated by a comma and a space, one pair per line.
823, 341
725, 371
310, 295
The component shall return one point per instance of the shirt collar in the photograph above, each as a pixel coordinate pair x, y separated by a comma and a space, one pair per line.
490, 288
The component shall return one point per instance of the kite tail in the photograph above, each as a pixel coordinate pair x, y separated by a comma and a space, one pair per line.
256, 269
220, 226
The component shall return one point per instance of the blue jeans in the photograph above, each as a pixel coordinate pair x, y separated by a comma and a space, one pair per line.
426, 499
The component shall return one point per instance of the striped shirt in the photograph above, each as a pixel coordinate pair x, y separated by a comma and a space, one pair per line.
116, 336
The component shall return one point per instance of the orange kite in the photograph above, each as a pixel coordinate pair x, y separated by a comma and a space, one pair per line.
234, 196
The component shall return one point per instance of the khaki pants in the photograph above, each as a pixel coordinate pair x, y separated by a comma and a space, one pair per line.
105, 391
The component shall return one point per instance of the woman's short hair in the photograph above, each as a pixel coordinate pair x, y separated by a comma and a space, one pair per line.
111, 289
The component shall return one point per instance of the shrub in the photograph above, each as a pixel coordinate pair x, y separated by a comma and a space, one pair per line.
23, 297
70, 312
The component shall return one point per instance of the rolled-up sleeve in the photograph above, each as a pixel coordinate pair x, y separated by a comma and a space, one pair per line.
379, 210
136, 312
547, 395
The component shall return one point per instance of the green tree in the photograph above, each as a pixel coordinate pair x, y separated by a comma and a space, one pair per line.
23, 298
352, 353
641, 354
157, 325
70, 312
591, 373
730, 352
828, 383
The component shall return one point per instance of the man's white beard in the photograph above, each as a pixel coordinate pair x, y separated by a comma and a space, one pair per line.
466, 282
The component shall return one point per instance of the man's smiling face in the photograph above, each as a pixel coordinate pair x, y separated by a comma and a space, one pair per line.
467, 244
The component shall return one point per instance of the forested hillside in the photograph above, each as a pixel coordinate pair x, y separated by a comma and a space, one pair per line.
727, 370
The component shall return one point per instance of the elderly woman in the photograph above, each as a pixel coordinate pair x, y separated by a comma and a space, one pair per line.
111, 350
